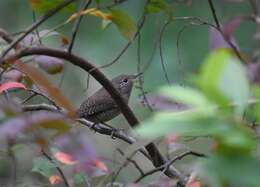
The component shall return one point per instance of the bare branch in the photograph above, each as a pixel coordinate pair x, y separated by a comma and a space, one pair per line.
161, 52
214, 14
124, 164
232, 45
139, 27
169, 163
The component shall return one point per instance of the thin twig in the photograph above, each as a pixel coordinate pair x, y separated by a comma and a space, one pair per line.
36, 30
161, 52
214, 14
232, 45
124, 164
140, 78
77, 25
44, 96
29, 98
132, 161
74, 34
139, 27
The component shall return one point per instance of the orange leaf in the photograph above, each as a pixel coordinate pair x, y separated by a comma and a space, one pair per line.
55, 179
99, 164
64, 158
64, 40
9, 85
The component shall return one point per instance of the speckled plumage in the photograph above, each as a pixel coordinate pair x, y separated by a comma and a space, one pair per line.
100, 107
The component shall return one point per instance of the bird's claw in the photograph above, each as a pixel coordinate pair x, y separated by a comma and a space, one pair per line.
114, 131
92, 127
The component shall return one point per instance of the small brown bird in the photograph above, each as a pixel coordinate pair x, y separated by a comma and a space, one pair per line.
100, 107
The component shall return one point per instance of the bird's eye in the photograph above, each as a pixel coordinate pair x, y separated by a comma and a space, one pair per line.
125, 80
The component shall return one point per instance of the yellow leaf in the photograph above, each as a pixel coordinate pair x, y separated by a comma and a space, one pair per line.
124, 23
90, 11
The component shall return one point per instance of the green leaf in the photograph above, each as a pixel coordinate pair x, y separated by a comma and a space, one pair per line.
231, 170
238, 138
155, 6
209, 77
124, 23
185, 95
80, 179
223, 79
43, 166
42, 6
191, 122
234, 85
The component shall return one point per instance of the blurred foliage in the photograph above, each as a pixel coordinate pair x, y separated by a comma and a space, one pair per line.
216, 98
216, 110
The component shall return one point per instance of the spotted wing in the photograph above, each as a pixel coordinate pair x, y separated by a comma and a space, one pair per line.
101, 109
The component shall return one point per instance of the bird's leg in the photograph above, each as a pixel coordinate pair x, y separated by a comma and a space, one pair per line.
93, 126
113, 130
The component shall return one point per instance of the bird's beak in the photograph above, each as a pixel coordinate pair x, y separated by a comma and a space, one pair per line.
136, 76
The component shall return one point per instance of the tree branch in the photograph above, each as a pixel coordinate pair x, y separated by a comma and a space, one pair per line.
218, 27
214, 14
97, 127
169, 163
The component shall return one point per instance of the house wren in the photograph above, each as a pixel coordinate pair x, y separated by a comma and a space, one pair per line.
100, 107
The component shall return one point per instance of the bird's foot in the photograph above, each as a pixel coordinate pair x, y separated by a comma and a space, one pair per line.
93, 127
115, 131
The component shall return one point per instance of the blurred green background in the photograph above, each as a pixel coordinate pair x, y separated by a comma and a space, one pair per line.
101, 46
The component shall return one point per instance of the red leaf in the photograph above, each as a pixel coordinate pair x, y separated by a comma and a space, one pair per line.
100, 165
9, 85
64, 158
